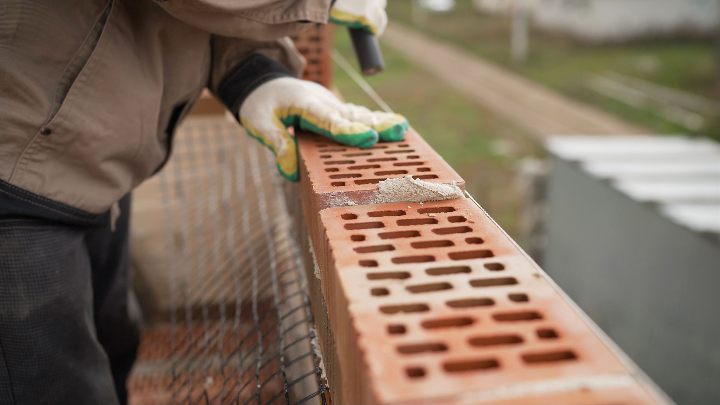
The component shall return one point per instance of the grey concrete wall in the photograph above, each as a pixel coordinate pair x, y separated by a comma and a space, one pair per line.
651, 284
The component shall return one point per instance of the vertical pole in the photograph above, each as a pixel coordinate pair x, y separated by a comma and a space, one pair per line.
717, 48
417, 13
519, 32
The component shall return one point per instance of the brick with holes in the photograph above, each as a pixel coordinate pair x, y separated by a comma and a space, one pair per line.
337, 175
434, 303
342, 175
315, 44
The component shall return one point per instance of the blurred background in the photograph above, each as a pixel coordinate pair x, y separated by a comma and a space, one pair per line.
589, 130
652, 63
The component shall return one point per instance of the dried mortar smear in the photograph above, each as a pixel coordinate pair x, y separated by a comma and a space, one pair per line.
339, 200
316, 268
408, 189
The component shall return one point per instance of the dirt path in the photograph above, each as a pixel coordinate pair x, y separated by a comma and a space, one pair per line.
531, 106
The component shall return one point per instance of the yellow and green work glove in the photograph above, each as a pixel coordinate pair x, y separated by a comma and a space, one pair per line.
278, 104
364, 14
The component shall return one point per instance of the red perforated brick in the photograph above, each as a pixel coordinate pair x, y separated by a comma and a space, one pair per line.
315, 44
433, 303
341, 174
337, 175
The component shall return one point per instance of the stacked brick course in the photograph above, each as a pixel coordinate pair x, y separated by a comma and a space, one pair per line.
342, 174
335, 174
434, 303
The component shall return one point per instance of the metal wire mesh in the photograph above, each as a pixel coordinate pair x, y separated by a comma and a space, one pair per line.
220, 279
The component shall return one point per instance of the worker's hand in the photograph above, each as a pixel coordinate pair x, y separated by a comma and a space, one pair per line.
365, 14
286, 102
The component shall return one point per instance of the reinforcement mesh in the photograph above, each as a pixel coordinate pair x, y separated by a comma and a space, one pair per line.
220, 279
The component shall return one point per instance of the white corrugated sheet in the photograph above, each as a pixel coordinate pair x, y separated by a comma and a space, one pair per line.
679, 174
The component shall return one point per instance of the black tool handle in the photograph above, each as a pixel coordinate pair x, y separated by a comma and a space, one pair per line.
367, 51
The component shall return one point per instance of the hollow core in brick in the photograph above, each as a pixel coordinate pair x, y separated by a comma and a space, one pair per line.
399, 234
364, 225
452, 230
404, 308
495, 340
494, 266
547, 333
430, 287
470, 302
374, 249
386, 213
470, 365
413, 259
471, 254
442, 323
389, 275
493, 282
418, 348
549, 357
517, 316
444, 271
415, 372
428, 244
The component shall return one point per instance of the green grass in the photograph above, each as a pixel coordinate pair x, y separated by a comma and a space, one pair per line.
470, 138
565, 65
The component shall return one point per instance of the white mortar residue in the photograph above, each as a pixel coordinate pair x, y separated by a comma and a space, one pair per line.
408, 189
339, 200
316, 268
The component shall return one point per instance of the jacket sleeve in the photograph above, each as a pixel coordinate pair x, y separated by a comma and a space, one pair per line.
249, 39
239, 66
257, 19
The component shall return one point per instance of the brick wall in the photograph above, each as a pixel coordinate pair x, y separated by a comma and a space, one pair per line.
433, 302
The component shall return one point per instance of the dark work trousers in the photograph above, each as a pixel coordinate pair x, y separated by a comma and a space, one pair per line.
65, 333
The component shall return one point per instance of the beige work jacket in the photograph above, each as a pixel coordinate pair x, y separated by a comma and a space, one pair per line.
90, 90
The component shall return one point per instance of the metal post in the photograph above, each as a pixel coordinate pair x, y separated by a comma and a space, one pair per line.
519, 38
717, 48
417, 13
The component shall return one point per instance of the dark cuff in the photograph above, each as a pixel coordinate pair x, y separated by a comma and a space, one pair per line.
237, 85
